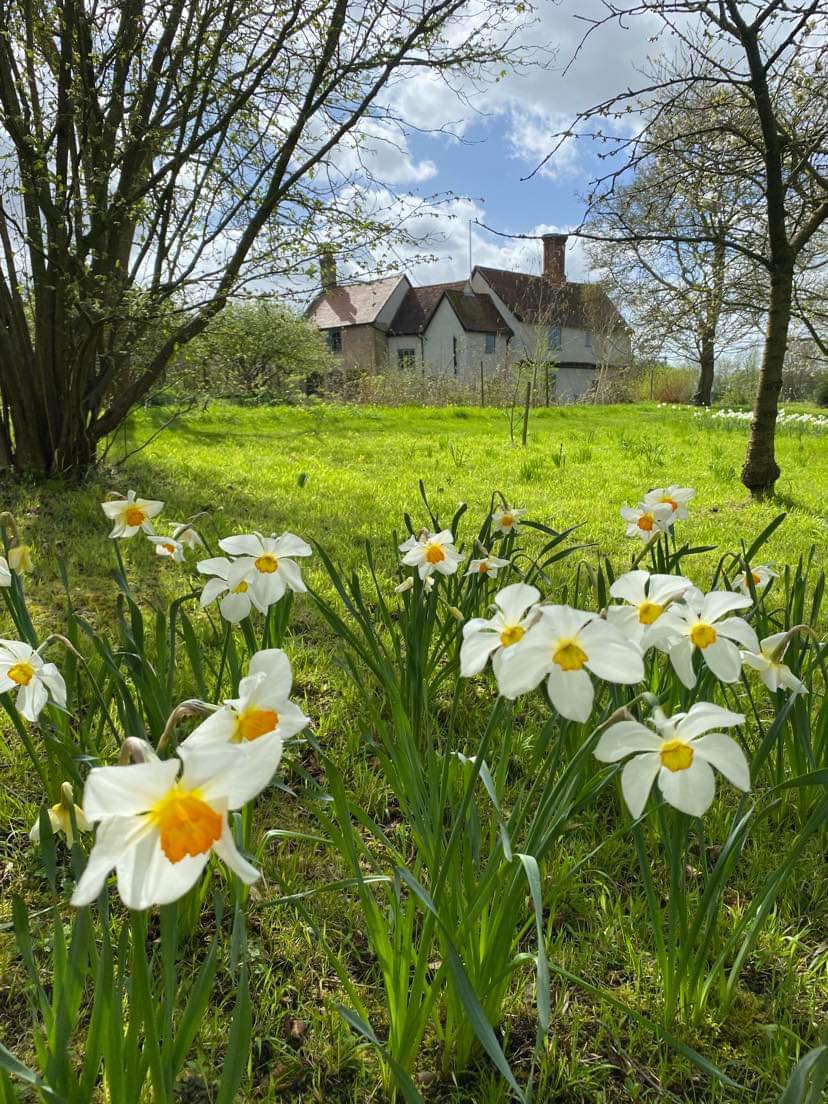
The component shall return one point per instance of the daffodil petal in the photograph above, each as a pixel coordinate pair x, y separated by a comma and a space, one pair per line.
623, 739
571, 693
723, 753
637, 779
723, 659
691, 790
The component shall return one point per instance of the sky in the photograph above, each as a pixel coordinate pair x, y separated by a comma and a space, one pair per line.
488, 165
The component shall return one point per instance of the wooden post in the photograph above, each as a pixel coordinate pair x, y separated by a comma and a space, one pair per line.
482, 391
546, 366
525, 433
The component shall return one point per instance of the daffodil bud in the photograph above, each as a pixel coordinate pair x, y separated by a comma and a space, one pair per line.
20, 558
406, 584
455, 613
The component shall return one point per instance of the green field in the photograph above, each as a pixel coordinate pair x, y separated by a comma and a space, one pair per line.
346, 476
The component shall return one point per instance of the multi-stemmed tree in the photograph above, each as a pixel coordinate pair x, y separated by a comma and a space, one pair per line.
157, 156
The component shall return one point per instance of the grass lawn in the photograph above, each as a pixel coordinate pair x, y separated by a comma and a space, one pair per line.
342, 476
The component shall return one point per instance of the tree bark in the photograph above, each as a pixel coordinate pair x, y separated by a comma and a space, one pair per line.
707, 368
761, 471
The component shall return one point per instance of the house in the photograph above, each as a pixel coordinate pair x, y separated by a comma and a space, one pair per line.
474, 327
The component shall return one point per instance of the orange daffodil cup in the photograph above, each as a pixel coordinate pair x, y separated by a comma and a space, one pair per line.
131, 515
431, 553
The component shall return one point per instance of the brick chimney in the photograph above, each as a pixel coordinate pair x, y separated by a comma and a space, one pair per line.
554, 258
327, 267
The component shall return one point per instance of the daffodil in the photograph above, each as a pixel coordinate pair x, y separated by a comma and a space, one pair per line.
482, 638
673, 496
696, 625
159, 821
760, 576
60, 818
564, 646
262, 711
646, 522
507, 520
183, 532
20, 558
167, 546
236, 584
678, 755
130, 515
648, 599
408, 584
5, 573
270, 562
767, 660
431, 552
488, 565
22, 669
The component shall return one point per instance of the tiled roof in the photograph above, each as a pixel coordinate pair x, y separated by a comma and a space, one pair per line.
477, 312
536, 301
351, 304
418, 305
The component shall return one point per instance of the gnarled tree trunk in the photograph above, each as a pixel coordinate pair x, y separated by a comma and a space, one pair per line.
707, 368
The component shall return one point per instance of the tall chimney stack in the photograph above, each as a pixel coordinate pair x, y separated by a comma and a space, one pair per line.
327, 267
554, 258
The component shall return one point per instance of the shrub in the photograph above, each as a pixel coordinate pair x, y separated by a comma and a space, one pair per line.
821, 395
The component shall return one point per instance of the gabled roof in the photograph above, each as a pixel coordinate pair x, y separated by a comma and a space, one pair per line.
477, 313
534, 300
419, 304
351, 304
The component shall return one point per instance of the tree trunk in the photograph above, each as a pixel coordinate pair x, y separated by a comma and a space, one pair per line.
761, 471
707, 366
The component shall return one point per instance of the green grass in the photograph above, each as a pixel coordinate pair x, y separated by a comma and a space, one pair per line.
342, 476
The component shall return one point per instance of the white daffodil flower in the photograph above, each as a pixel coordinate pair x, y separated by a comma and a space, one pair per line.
673, 496
131, 514
270, 563
767, 660
761, 576
186, 535
167, 546
507, 520
22, 669
697, 625
5, 573
262, 711
647, 522
678, 756
482, 638
489, 565
431, 552
648, 601
157, 829
60, 818
564, 646
20, 558
236, 584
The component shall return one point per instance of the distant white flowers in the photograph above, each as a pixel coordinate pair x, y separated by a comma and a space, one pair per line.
35, 682
431, 553
680, 754
816, 422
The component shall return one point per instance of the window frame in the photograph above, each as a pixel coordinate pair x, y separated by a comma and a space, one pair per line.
554, 339
406, 358
489, 343
333, 339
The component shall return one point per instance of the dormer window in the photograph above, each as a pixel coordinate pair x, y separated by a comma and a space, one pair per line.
334, 340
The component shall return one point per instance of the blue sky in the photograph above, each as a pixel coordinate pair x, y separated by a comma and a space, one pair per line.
504, 130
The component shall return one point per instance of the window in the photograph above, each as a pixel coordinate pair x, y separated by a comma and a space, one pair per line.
334, 340
406, 358
588, 339
554, 339
489, 346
